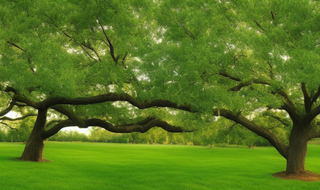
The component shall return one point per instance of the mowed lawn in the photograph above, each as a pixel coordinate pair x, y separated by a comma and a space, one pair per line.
126, 166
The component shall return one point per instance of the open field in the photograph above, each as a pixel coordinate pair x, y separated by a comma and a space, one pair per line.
125, 166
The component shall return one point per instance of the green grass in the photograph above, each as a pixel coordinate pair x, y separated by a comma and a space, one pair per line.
125, 166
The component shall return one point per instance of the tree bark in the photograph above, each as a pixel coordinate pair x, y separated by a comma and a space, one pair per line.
34, 148
297, 150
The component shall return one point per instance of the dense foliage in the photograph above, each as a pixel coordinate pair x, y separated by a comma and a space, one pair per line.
132, 65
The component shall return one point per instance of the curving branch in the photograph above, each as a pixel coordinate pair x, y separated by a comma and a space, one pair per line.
22, 99
92, 49
75, 41
285, 122
101, 99
288, 105
115, 59
8, 109
75, 119
141, 126
82, 46
10, 89
12, 128
238, 118
240, 85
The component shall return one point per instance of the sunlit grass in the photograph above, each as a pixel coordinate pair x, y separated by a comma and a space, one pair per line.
126, 166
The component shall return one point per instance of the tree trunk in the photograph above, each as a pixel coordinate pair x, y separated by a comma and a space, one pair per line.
297, 150
34, 148
296, 157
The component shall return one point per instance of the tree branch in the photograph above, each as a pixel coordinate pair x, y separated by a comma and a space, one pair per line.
10, 89
188, 32
15, 45
222, 73
23, 99
80, 46
123, 60
281, 147
52, 21
307, 99
91, 48
288, 105
111, 97
74, 118
8, 126
29, 60
52, 122
115, 59
284, 122
316, 96
240, 85
272, 15
260, 26
8, 109
141, 126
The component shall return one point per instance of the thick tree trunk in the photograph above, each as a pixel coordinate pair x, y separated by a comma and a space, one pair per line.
34, 147
297, 150
296, 157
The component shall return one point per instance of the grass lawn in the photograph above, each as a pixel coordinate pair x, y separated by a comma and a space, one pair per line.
125, 166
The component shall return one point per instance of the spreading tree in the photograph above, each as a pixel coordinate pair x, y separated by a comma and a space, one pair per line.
244, 61
56, 57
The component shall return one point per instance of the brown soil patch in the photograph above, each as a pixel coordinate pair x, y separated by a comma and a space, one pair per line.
307, 176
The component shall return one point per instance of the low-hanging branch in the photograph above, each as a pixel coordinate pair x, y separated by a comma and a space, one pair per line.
238, 118
141, 126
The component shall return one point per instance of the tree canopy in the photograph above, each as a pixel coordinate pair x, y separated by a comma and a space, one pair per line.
252, 62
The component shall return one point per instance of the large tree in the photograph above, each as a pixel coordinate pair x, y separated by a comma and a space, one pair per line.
58, 56
244, 60
235, 59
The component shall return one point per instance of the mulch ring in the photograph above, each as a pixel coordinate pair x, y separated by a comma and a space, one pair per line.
307, 176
